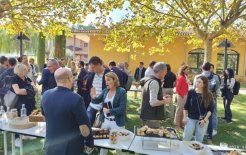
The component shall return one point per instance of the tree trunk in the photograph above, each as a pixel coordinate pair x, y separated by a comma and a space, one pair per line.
41, 51
64, 43
60, 49
208, 50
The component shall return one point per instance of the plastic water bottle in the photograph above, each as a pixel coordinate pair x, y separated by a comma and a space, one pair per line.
23, 111
2, 113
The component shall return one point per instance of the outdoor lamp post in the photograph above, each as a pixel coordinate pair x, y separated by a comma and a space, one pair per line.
21, 36
225, 44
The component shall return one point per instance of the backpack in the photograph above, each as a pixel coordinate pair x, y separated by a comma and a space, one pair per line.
211, 83
236, 88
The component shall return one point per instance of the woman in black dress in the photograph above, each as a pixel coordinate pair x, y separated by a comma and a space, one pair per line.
24, 88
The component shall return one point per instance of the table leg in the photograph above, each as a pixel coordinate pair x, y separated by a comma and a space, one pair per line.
5, 142
135, 95
21, 145
13, 143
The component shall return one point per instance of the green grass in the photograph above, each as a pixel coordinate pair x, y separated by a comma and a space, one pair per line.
243, 85
233, 134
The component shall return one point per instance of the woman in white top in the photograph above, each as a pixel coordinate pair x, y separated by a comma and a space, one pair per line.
228, 96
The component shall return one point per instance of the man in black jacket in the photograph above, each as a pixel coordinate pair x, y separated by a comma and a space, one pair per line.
48, 80
123, 77
139, 72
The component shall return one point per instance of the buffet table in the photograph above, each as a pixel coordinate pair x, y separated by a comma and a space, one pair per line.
177, 148
133, 145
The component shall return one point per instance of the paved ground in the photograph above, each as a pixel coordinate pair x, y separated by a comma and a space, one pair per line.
242, 91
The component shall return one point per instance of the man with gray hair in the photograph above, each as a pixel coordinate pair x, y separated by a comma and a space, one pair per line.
67, 124
48, 80
152, 107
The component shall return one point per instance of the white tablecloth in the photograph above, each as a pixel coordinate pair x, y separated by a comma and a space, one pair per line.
177, 148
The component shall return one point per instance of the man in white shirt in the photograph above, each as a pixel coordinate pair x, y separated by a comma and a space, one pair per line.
96, 80
149, 71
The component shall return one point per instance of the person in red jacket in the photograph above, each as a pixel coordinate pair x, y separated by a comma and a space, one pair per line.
182, 88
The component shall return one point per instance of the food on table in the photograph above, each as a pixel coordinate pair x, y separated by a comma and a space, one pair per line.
234, 152
156, 131
124, 133
100, 133
21, 123
12, 114
196, 146
113, 137
161, 133
149, 131
36, 116
146, 131
144, 128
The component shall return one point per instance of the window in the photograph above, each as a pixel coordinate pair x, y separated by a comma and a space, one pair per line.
195, 60
85, 44
233, 61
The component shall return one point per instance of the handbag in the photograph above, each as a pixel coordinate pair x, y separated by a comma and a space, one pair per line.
10, 99
98, 122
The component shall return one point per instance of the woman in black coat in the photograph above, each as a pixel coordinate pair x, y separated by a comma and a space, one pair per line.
24, 88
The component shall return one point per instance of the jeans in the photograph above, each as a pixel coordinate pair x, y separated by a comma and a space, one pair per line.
91, 113
213, 120
192, 126
227, 106
179, 110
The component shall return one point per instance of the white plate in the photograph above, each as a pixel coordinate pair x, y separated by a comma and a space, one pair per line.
187, 145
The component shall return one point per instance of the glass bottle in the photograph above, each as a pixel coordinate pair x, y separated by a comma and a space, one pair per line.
23, 111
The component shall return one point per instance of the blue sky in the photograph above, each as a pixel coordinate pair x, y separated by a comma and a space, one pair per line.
116, 15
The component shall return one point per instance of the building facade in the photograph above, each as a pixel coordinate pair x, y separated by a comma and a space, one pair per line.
180, 52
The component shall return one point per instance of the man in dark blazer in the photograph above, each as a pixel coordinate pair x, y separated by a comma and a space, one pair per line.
80, 79
139, 72
67, 125
48, 81
123, 77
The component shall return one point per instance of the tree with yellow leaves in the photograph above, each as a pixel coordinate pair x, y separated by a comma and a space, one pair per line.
162, 19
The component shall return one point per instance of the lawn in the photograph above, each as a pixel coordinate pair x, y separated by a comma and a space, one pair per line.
233, 134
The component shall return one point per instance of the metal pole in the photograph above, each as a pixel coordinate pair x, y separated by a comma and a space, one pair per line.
225, 55
21, 53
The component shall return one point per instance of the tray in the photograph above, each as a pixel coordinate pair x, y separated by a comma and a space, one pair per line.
21, 123
36, 116
169, 133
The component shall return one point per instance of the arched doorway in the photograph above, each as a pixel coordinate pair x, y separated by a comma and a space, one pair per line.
233, 61
195, 60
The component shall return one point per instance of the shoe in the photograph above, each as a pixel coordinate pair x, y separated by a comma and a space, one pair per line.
209, 141
229, 121
214, 132
17, 142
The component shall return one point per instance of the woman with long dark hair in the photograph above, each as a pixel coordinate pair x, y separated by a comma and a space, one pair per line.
182, 87
199, 108
228, 96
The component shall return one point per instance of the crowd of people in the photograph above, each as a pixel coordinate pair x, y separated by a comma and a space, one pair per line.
101, 98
